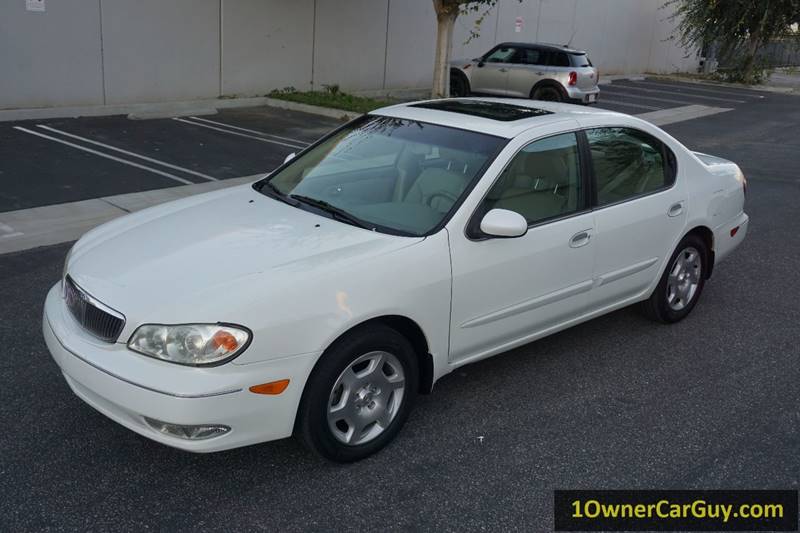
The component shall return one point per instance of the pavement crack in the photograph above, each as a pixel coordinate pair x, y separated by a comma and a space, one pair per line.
109, 202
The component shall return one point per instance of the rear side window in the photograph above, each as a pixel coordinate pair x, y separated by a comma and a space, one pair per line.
580, 60
530, 56
559, 59
628, 163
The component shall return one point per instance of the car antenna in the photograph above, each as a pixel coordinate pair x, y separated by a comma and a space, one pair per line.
571, 37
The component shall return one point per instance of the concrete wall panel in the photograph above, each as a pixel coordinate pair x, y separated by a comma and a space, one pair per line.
50, 58
267, 44
350, 43
411, 44
156, 50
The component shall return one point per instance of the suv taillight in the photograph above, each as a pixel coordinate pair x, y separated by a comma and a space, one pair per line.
573, 78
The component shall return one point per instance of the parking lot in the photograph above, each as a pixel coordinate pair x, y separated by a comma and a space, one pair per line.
615, 403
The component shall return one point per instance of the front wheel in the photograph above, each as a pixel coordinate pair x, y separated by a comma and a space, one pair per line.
459, 85
359, 395
681, 284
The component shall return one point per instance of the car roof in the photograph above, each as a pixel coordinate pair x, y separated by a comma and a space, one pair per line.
443, 112
548, 46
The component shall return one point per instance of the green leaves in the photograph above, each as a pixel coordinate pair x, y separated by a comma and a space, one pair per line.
738, 27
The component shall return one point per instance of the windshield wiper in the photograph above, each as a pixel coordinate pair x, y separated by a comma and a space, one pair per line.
266, 187
336, 212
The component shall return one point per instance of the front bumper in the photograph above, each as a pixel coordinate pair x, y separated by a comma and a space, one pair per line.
583, 96
127, 387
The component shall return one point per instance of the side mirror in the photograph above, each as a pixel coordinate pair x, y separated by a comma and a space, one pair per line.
504, 223
481, 63
289, 157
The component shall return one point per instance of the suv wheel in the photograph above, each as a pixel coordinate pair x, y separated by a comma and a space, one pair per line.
547, 93
459, 85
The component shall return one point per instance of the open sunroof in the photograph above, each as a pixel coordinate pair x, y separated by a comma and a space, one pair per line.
478, 108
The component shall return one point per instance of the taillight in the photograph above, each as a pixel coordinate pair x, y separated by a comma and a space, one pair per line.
597, 75
573, 78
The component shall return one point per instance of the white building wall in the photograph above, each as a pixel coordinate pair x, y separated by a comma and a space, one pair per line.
94, 52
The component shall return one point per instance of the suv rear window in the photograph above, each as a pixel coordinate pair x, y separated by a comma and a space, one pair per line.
580, 60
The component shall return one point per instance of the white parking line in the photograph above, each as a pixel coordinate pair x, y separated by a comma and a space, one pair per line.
604, 100
133, 154
229, 132
693, 88
298, 141
614, 86
656, 98
107, 156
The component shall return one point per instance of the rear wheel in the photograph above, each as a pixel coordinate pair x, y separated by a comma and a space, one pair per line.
459, 85
359, 395
681, 284
547, 93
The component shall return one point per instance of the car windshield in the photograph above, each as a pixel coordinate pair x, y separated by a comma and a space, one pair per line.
392, 175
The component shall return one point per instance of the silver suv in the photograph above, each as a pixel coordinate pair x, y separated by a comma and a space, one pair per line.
528, 70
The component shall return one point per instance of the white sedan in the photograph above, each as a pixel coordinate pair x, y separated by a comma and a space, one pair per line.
320, 300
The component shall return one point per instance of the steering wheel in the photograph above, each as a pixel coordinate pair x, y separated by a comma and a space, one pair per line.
441, 194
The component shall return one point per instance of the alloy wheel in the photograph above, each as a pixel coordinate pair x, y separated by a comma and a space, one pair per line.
366, 398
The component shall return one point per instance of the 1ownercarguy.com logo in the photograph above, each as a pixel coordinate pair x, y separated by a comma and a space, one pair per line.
675, 510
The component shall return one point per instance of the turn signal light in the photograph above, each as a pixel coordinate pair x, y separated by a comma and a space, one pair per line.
273, 387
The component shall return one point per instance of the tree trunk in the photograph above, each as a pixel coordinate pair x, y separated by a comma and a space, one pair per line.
446, 14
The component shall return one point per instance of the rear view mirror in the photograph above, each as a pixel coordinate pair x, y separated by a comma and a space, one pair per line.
504, 223
289, 157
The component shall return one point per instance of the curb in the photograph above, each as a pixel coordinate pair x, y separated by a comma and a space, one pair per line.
778, 90
53, 224
168, 109
340, 114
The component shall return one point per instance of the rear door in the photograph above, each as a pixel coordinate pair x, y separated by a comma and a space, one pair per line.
528, 67
640, 211
491, 73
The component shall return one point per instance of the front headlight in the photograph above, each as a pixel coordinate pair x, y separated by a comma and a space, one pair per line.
190, 344
65, 268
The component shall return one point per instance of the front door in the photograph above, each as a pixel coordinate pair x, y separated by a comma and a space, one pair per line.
509, 290
491, 73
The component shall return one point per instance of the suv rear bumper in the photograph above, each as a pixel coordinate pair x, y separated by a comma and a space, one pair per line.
583, 96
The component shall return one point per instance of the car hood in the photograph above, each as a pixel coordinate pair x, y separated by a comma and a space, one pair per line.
171, 255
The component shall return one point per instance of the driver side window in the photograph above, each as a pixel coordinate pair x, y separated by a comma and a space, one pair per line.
501, 55
541, 182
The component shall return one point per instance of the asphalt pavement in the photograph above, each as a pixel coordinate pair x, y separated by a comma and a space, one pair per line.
616, 403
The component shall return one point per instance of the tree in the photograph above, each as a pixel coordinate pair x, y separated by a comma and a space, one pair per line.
740, 27
447, 11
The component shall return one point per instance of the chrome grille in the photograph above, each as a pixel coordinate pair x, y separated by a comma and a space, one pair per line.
96, 318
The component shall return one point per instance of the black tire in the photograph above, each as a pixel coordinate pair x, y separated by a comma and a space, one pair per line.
659, 307
313, 427
547, 93
459, 85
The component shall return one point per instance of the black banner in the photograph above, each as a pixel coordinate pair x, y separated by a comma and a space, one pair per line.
675, 510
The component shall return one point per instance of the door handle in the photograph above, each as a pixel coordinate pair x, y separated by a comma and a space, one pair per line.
581, 238
503, 70
675, 209
539, 73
